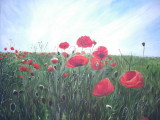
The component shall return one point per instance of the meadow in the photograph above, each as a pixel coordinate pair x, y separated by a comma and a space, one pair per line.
78, 85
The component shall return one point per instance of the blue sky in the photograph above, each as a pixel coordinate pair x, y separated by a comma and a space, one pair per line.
116, 24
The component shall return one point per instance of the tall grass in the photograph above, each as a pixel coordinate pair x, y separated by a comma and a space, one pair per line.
43, 95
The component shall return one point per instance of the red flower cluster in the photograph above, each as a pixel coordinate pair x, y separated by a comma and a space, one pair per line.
64, 45
77, 61
101, 53
132, 79
103, 88
84, 41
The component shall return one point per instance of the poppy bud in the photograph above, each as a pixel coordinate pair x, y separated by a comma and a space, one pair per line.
45, 89
36, 94
12, 107
147, 67
15, 92
73, 52
33, 74
143, 44
21, 91
41, 87
89, 116
50, 103
45, 64
63, 97
109, 106
55, 67
58, 53
43, 100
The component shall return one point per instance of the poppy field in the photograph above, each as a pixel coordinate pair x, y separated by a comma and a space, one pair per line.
78, 85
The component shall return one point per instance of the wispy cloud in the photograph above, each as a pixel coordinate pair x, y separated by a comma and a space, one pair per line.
111, 23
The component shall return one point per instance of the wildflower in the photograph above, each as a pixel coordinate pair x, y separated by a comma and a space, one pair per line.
65, 74
66, 55
1, 58
4, 55
50, 69
96, 64
113, 64
110, 58
5, 49
16, 51
30, 62
101, 53
84, 42
132, 79
77, 61
23, 68
54, 60
144, 118
24, 62
36, 66
12, 48
64, 45
103, 88
21, 76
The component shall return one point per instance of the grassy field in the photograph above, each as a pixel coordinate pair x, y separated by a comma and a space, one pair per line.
38, 94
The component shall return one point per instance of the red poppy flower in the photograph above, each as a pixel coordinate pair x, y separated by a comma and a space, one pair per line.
78, 53
77, 61
65, 75
5, 48
16, 51
54, 60
144, 118
50, 68
84, 41
23, 68
106, 62
21, 76
4, 55
65, 54
36, 66
24, 62
132, 79
110, 58
64, 45
100, 53
113, 64
1, 58
30, 62
96, 64
103, 88
83, 52
12, 48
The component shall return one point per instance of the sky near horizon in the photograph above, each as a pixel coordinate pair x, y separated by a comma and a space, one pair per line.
116, 24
